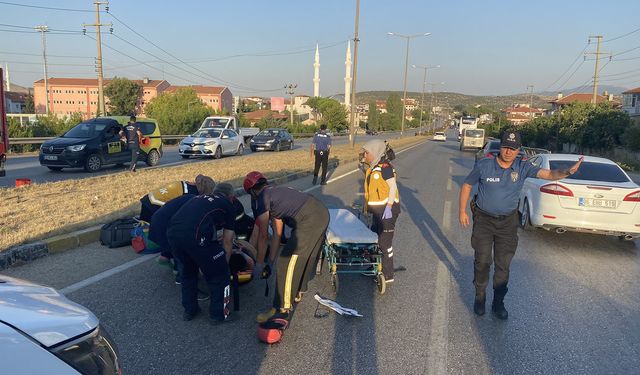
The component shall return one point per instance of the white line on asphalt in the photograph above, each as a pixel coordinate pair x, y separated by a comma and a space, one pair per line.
108, 273
449, 184
450, 170
439, 335
446, 216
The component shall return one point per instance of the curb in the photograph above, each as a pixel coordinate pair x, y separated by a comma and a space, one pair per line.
22, 254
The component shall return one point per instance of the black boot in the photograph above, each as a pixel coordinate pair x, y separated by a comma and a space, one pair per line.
498, 303
315, 180
479, 303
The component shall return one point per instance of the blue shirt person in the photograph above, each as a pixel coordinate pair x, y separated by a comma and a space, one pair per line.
495, 221
319, 149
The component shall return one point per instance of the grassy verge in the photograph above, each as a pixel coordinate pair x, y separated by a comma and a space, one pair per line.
42, 210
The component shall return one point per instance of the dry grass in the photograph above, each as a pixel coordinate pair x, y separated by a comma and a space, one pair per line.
43, 210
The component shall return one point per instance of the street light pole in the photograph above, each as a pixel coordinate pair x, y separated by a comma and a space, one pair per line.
43, 29
530, 102
406, 67
291, 90
424, 83
352, 113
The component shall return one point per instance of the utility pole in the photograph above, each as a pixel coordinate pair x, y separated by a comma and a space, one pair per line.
352, 113
424, 83
291, 90
406, 66
98, 26
44, 29
594, 99
530, 102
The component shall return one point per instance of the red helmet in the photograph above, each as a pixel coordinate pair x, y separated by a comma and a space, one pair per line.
252, 179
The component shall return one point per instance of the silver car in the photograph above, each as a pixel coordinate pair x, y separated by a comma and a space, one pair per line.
214, 142
43, 332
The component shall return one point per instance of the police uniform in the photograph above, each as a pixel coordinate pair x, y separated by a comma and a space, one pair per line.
309, 219
158, 197
133, 142
322, 144
376, 195
495, 221
192, 235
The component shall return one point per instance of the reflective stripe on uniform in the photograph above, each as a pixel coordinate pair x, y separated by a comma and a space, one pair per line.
289, 280
240, 216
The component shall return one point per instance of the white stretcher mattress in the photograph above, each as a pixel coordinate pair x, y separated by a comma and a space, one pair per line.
345, 227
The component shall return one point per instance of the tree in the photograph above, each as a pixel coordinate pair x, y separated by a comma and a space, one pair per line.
392, 120
331, 112
374, 116
123, 96
181, 112
632, 137
29, 105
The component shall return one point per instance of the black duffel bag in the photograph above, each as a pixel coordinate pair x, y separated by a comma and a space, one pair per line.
118, 232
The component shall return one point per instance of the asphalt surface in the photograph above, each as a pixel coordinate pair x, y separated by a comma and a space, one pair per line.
574, 306
29, 166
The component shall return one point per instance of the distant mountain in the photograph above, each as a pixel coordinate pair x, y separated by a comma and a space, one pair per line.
452, 99
615, 90
16, 88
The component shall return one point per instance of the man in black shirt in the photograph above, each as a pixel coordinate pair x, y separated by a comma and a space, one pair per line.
309, 219
192, 235
133, 135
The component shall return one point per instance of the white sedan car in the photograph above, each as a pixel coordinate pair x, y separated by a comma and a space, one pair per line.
599, 198
214, 142
440, 136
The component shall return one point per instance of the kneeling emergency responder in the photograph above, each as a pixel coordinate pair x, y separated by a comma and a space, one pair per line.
193, 237
308, 218
151, 202
382, 200
244, 223
495, 216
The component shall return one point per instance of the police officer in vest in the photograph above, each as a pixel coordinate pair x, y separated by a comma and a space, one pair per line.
495, 216
133, 135
320, 147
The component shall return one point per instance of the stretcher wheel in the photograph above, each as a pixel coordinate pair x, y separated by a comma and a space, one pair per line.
382, 283
334, 282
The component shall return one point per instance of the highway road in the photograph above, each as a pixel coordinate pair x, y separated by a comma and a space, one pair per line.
574, 306
29, 166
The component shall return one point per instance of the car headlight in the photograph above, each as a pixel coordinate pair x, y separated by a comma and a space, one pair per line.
210, 143
270, 141
76, 148
252, 141
94, 353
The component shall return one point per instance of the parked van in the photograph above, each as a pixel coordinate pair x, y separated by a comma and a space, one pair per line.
96, 142
472, 138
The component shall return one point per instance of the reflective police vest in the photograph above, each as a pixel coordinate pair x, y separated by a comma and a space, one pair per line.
164, 194
376, 189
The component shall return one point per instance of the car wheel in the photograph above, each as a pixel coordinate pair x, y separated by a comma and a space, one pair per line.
525, 217
185, 156
277, 147
218, 153
93, 163
253, 149
240, 150
55, 169
153, 158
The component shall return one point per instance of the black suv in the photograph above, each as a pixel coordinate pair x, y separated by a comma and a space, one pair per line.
89, 145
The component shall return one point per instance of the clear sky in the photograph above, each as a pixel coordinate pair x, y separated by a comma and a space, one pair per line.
485, 47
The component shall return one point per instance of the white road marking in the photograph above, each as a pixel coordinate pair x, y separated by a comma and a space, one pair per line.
450, 170
446, 216
108, 273
449, 184
439, 334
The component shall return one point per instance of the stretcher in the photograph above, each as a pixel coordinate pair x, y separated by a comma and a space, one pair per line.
351, 247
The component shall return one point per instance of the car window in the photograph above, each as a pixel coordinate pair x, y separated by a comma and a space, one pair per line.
268, 133
215, 122
207, 133
232, 133
86, 130
146, 127
227, 133
591, 171
474, 133
536, 161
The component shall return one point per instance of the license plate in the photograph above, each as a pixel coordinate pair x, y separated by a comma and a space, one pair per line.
50, 157
259, 148
598, 203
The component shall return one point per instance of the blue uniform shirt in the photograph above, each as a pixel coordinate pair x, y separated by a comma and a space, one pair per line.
322, 141
499, 188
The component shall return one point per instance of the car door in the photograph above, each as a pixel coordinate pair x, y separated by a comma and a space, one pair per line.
113, 149
284, 142
234, 141
227, 142
289, 139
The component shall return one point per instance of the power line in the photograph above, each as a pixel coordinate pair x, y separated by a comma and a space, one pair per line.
621, 73
621, 36
571, 76
569, 68
47, 8
37, 54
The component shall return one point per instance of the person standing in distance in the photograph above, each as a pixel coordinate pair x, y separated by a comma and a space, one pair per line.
381, 200
132, 134
495, 216
319, 148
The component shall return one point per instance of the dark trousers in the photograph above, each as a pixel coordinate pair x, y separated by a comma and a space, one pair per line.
385, 229
147, 209
498, 236
213, 263
135, 151
322, 159
299, 257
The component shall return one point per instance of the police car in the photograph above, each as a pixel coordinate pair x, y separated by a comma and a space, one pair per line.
599, 198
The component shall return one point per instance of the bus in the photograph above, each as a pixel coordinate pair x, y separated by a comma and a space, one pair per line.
466, 122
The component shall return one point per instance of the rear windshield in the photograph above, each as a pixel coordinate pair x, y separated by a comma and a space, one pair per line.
86, 130
146, 128
438, 133
592, 171
474, 133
